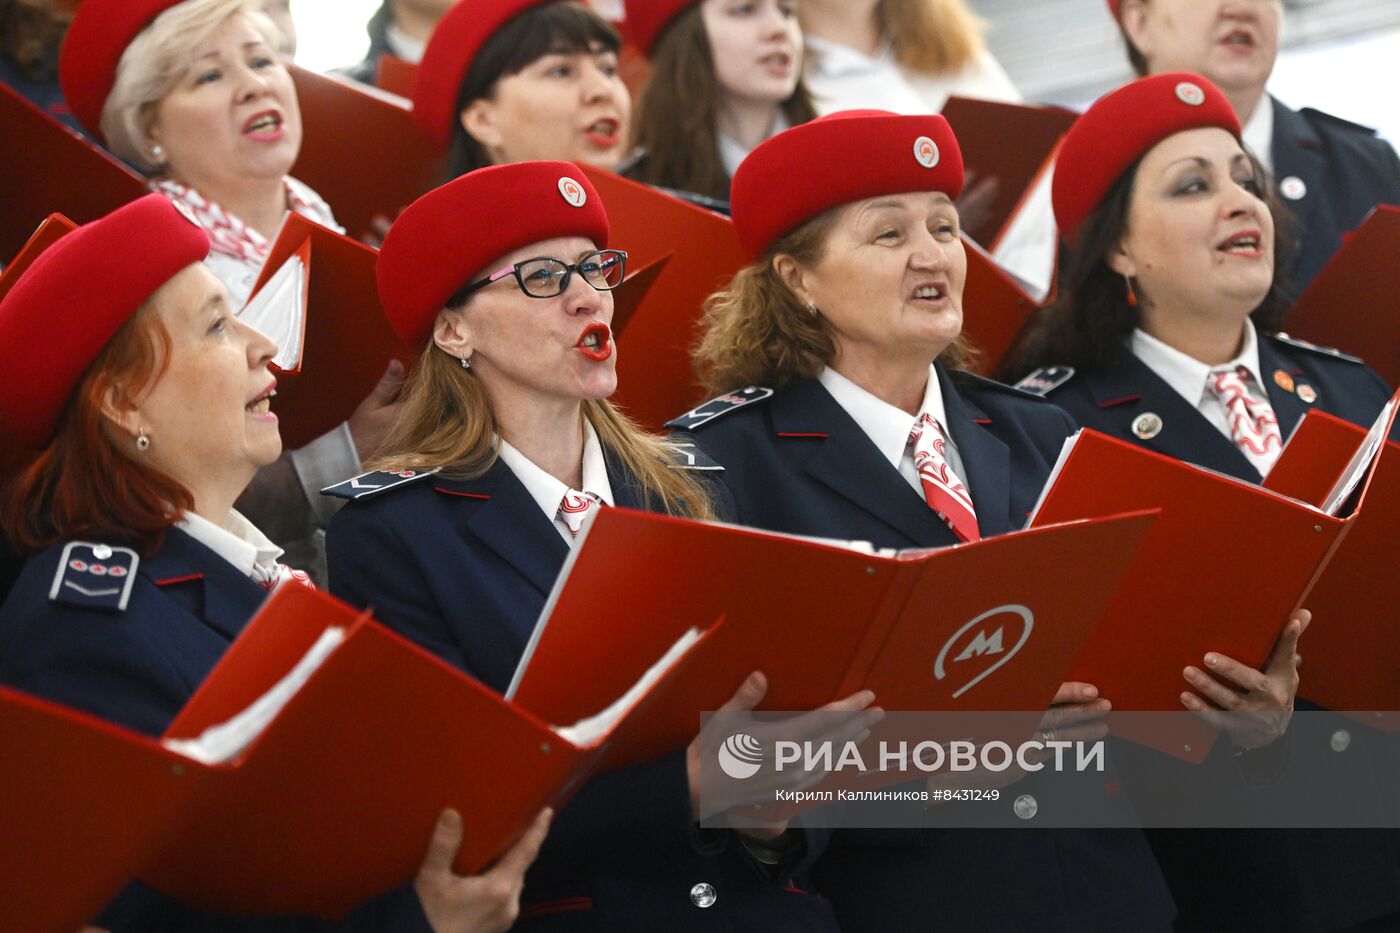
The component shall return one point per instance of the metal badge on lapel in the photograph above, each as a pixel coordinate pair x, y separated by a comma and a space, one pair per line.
1147, 425
1283, 380
1307, 393
1293, 188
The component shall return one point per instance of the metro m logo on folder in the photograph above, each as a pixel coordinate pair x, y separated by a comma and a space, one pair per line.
982, 644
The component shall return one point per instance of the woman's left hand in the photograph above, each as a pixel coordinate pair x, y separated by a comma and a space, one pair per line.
1254, 707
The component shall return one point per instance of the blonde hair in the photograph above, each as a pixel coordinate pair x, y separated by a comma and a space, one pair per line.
447, 423
154, 63
931, 36
757, 332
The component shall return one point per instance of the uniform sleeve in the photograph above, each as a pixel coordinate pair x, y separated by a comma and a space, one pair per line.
97, 662
371, 567
141, 909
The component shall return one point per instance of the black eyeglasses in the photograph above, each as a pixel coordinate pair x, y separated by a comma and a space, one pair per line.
546, 277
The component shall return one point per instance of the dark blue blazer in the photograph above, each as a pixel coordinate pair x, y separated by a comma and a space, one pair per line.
137, 667
1347, 171
1293, 881
463, 568
798, 463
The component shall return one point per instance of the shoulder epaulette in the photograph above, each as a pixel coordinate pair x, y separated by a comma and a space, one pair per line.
715, 407
962, 377
1045, 380
1320, 350
691, 457
1313, 115
94, 576
369, 484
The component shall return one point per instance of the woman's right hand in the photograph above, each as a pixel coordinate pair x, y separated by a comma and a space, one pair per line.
843, 721
484, 903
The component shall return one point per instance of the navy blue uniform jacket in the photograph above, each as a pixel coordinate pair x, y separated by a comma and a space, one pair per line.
798, 463
1292, 881
1346, 171
463, 568
137, 667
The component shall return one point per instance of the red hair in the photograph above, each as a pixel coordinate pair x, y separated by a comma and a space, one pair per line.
84, 485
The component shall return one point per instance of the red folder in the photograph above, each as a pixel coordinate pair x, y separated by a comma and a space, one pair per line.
698, 251
48, 168
983, 128
1350, 305
347, 341
1224, 567
996, 309
1351, 652
820, 620
82, 802
393, 75
361, 151
335, 801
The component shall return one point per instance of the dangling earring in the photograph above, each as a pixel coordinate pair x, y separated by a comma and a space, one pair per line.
812, 308
143, 443
1132, 295
465, 364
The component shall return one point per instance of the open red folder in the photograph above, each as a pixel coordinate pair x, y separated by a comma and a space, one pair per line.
395, 76
346, 341
1348, 305
48, 168
690, 252
1351, 650
1224, 567
986, 626
82, 802
361, 151
983, 128
996, 308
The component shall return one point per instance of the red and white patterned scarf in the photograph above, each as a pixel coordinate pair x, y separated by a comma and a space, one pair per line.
228, 234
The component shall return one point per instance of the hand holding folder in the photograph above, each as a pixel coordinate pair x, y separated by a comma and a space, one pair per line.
1352, 649
304, 776
1194, 586
819, 619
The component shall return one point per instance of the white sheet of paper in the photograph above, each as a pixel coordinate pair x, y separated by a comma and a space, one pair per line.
278, 312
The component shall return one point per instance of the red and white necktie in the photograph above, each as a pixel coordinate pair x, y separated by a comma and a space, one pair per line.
944, 492
575, 508
272, 576
1253, 424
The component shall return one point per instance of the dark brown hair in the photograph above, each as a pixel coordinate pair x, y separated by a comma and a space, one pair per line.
1089, 325
84, 485
543, 30
677, 119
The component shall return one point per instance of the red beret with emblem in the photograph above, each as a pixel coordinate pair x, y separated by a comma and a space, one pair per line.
99, 34
455, 42
451, 234
79, 292
840, 158
647, 20
1120, 128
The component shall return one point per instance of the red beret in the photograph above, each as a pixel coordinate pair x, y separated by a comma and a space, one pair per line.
844, 157
99, 34
1123, 125
75, 297
456, 39
647, 19
449, 235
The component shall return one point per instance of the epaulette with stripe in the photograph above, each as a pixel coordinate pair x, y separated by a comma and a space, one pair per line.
718, 407
1320, 350
95, 576
371, 484
1045, 380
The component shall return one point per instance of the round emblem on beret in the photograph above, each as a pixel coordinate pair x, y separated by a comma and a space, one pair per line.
186, 213
926, 152
1293, 188
573, 192
1190, 93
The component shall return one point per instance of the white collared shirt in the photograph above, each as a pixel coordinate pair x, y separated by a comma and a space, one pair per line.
732, 152
548, 491
888, 427
237, 541
1259, 133
842, 78
1190, 378
403, 45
